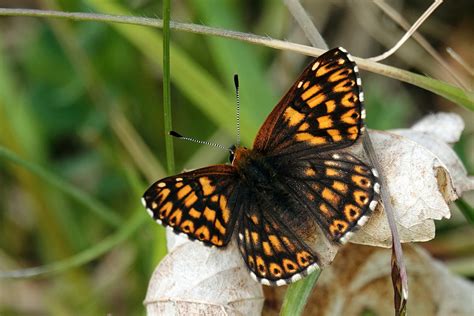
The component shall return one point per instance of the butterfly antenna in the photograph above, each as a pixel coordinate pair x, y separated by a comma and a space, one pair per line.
237, 96
202, 142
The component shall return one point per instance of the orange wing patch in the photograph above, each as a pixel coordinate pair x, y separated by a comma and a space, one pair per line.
317, 100
206, 186
310, 92
325, 122
349, 100
294, 117
307, 137
338, 227
340, 74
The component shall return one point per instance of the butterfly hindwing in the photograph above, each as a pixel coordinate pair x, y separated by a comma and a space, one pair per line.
271, 251
337, 188
198, 203
322, 110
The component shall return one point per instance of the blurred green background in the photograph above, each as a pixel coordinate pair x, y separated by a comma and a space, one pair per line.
81, 128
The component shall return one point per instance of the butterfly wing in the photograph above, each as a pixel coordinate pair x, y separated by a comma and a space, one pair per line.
338, 189
271, 247
199, 203
322, 110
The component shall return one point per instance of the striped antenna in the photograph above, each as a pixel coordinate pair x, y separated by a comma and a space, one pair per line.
237, 97
202, 142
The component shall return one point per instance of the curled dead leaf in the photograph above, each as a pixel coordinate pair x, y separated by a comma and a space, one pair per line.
197, 280
423, 175
359, 282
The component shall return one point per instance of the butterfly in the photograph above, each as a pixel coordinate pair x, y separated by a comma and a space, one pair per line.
297, 179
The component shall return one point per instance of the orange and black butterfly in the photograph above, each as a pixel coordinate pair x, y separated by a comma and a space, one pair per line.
296, 178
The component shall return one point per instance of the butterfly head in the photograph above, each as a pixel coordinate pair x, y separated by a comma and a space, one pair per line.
232, 153
238, 154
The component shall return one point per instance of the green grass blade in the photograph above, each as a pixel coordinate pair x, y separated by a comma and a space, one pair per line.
188, 76
466, 210
85, 256
297, 294
94, 206
231, 57
443, 89
167, 87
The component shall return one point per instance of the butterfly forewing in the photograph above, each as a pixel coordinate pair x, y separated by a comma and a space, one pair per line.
321, 111
198, 203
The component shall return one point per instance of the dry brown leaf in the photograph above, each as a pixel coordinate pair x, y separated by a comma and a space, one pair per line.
359, 281
423, 174
437, 132
197, 280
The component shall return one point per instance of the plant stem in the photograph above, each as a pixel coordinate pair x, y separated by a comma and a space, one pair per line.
297, 295
441, 88
166, 87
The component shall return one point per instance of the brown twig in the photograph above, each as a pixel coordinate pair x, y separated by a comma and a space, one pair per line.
409, 33
420, 39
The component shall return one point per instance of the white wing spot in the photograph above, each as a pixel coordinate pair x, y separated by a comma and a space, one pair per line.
253, 276
373, 205
161, 185
300, 84
265, 281
179, 179
377, 187
312, 268
361, 96
344, 239
363, 219
375, 173
342, 49
183, 235
296, 277
281, 282
315, 65
150, 212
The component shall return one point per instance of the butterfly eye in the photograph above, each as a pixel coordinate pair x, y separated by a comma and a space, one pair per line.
232, 153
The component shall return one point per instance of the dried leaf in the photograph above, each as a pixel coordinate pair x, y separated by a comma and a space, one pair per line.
197, 280
359, 281
437, 132
423, 175
451, 123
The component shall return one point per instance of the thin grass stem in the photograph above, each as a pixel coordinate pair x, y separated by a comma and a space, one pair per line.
167, 87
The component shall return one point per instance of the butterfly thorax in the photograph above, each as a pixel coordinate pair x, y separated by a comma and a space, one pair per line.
254, 168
